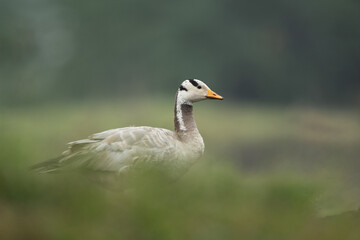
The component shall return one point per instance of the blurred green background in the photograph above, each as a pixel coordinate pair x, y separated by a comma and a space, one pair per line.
282, 154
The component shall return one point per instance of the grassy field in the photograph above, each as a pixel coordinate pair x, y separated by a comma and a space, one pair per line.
268, 173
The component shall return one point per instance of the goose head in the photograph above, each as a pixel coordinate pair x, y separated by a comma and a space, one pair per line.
194, 90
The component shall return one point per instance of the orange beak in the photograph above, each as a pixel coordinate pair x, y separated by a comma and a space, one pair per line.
213, 95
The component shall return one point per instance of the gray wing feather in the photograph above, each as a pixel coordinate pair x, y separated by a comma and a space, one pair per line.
114, 150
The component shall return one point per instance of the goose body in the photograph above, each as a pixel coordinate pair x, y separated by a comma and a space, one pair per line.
124, 149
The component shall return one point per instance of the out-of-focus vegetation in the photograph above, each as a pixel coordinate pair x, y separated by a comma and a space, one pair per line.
275, 51
268, 173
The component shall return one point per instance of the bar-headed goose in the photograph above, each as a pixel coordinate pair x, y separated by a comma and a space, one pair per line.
124, 149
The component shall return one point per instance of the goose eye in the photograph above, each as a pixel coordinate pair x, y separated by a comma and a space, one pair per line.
199, 87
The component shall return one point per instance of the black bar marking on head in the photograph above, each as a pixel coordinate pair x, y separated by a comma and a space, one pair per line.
193, 82
182, 88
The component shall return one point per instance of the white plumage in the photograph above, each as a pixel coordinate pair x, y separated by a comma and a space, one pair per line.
131, 148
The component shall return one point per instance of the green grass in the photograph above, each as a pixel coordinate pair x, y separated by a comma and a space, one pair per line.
268, 173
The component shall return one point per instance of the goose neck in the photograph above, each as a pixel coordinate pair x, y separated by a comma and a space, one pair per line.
184, 119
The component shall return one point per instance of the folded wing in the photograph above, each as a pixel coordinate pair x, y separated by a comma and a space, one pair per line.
116, 150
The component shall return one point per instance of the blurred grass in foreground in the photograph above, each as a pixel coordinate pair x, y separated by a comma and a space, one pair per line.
266, 174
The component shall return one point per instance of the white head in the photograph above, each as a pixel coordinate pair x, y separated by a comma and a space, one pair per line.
194, 90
